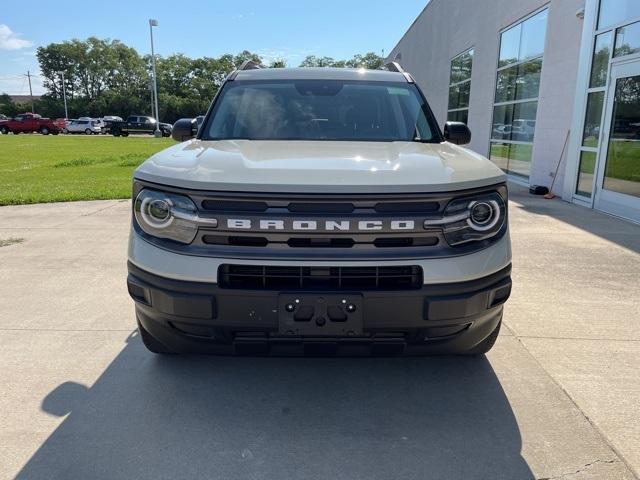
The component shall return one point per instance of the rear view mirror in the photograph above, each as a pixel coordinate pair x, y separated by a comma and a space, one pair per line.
457, 132
184, 129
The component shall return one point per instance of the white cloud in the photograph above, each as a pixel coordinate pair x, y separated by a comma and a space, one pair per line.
9, 40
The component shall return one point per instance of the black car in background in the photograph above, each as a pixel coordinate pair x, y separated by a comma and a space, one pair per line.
139, 124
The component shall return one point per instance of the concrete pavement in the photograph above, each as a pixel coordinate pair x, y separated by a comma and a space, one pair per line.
558, 397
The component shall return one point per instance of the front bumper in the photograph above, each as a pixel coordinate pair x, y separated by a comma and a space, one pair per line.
197, 317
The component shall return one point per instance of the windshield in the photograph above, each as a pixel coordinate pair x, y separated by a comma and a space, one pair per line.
320, 110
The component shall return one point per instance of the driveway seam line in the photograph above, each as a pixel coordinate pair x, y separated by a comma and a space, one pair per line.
607, 441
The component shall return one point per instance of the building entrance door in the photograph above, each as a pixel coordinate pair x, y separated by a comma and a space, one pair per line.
618, 175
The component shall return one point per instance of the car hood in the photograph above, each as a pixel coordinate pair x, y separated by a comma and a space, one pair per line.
319, 167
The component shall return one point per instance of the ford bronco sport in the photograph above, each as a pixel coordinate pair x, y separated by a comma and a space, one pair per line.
320, 212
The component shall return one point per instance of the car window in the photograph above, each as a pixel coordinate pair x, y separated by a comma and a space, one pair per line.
320, 110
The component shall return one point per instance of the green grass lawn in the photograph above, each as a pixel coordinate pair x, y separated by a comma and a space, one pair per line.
37, 168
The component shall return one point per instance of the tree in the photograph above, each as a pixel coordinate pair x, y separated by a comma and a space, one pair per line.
369, 60
107, 77
7, 107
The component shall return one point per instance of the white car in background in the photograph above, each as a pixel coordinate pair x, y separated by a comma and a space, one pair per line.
84, 125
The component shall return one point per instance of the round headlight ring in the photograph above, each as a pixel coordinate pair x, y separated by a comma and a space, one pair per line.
477, 214
156, 212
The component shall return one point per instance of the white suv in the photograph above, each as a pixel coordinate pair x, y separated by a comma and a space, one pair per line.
85, 125
321, 212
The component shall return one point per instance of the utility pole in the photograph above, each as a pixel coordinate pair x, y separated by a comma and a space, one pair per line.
157, 132
153, 109
64, 96
30, 92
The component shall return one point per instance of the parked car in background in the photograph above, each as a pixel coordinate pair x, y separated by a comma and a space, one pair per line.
31, 122
107, 121
139, 124
88, 126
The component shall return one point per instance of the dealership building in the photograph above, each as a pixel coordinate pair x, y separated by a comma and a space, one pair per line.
549, 89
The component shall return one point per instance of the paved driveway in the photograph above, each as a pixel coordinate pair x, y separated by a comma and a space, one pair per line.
558, 397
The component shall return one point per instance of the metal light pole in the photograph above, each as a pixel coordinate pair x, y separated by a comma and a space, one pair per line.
64, 96
154, 23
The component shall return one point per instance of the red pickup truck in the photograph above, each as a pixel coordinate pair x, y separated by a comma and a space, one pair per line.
31, 122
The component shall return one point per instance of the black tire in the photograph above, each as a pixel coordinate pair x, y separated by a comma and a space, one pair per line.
486, 345
4, 130
55, 133
125, 134
87, 131
151, 343
44, 131
16, 133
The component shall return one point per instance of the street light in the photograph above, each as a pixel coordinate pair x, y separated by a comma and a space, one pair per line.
154, 23
64, 95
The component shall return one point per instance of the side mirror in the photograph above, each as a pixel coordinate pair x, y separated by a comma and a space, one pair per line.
184, 129
457, 132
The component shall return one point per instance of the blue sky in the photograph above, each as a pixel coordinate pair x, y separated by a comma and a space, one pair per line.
291, 29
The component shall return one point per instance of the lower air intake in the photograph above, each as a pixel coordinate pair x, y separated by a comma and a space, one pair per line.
259, 277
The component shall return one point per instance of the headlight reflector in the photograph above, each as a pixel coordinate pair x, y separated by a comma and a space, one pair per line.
166, 215
471, 219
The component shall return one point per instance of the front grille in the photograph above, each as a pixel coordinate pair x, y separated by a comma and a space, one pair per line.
262, 277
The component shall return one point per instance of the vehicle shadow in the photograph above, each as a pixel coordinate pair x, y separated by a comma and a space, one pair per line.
622, 232
150, 417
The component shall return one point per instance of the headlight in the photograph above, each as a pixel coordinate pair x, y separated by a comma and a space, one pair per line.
471, 219
166, 215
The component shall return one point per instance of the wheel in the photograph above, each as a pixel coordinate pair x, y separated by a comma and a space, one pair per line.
44, 131
55, 133
65, 131
87, 131
485, 345
166, 134
151, 343
4, 130
125, 134
115, 132
16, 133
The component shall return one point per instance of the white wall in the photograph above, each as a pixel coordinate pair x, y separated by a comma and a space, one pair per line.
448, 27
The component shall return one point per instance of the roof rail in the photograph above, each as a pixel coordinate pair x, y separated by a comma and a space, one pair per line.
249, 65
394, 67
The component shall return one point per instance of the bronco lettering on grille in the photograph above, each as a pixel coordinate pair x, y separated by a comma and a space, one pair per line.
320, 225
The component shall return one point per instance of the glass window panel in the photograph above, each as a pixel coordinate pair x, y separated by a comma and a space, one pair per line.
502, 119
459, 95
506, 84
622, 171
586, 171
627, 40
593, 119
520, 160
500, 154
467, 64
615, 11
461, 67
533, 34
600, 62
458, 116
510, 45
528, 80
523, 126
